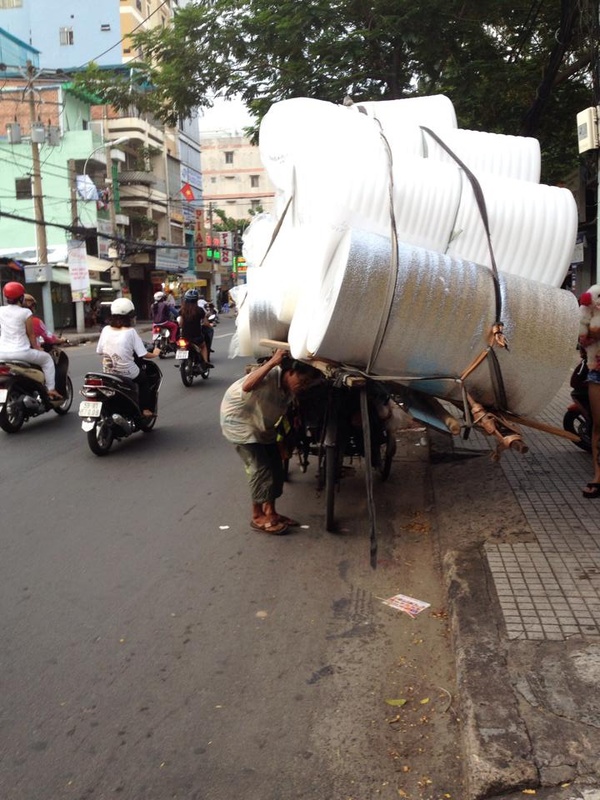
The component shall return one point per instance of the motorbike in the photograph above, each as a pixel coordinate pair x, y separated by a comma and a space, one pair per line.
578, 416
192, 364
110, 409
23, 392
161, 338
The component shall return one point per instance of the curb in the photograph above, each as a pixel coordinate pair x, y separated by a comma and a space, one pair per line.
498, 752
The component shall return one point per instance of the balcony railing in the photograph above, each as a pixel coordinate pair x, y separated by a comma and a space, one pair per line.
128, 176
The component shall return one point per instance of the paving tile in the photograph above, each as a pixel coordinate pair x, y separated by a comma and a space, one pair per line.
552, 583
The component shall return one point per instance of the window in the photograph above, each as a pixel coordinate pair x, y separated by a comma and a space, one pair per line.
66, 36
11, 3
105, 27
138, 4
255, 204
229, 156
23, 188
213, 179
254, 181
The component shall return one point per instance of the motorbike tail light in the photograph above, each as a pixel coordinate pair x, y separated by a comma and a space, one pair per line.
182, 343
94, 382
4, 369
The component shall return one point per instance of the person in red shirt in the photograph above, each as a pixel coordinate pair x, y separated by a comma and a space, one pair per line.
39, 329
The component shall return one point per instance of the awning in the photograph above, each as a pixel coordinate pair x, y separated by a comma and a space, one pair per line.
57, 256
62, 276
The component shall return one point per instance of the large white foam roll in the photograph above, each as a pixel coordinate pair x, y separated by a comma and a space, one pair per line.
435, 110
256, 318
441, 313
342, 321
533, 228
257, 238
289, 127
515, 157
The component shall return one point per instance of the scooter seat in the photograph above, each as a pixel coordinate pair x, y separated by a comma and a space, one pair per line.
26, 368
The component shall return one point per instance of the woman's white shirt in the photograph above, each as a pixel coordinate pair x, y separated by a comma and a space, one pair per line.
13, 335
117, 347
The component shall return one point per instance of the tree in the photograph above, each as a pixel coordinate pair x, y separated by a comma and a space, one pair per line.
509, 66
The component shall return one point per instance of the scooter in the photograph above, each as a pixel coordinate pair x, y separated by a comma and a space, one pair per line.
23, 392
161, 337
578, 416
192, 364
110, 409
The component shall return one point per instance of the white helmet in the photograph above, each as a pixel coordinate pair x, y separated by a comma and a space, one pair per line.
122, 307
159, 296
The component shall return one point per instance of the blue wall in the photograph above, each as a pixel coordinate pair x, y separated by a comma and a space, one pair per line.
38, 22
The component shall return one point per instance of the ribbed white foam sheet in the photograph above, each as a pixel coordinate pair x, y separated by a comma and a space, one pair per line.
533, 228
515, 157
441, 310
432, 110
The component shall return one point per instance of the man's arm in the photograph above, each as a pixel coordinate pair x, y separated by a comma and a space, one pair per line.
257, 375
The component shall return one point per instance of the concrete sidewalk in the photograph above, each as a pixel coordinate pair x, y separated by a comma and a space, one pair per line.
525, 609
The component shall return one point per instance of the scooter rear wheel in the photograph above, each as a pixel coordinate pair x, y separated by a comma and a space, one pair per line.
187, 372
101, 437
577, 423
12, 415
64, 407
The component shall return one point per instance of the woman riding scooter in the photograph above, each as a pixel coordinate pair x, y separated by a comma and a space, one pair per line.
17, 337
119, 344
192, 321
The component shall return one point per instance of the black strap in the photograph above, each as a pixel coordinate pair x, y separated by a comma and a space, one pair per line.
495, 371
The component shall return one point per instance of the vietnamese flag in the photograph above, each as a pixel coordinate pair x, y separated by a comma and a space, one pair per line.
187, 191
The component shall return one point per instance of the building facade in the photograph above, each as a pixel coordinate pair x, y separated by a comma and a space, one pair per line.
152, 212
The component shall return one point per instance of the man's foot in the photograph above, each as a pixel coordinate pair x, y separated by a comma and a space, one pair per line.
54, 395
272, 526
147, 413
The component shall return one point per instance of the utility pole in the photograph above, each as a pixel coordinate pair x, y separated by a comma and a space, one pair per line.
38, 204
79, 304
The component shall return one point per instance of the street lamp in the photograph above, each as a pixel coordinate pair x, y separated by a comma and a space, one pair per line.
104, 146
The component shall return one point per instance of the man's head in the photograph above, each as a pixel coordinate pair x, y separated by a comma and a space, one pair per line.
29, 301
298, 377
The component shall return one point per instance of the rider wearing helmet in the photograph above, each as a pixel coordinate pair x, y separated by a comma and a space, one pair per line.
192, 319
40, 330
161, 315
17, 336
119, 345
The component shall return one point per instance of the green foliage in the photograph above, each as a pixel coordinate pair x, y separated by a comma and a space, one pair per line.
510, 66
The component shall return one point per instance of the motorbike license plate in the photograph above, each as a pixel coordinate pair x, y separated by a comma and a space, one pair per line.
181, 354
88, 408
3, 395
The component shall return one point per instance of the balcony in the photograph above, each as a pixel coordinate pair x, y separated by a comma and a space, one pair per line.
130, 176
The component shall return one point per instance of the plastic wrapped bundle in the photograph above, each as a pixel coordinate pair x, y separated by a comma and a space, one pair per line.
418, 314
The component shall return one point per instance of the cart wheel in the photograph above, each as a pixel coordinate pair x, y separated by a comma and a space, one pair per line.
332, 457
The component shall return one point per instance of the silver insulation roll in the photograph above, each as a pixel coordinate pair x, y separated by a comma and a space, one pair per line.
436, 320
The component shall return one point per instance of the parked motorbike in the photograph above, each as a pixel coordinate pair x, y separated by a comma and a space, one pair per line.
578, 416
110, 409
161, 338
192, 364
23, 392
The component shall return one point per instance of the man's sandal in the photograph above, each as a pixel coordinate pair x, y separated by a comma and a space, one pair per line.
276, 528
594, 491
291, 523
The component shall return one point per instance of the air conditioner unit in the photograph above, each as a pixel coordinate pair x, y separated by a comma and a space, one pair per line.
587, 129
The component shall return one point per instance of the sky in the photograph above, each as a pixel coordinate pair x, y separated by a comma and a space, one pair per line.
226, 115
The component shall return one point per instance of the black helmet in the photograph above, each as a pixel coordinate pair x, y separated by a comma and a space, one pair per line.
191, 296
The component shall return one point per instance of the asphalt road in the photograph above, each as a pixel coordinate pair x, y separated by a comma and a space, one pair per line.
154, 647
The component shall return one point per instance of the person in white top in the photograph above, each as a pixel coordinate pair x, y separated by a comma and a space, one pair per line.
119, 344
17, 337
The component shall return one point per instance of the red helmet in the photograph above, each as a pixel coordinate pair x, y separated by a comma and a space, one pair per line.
14, 290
